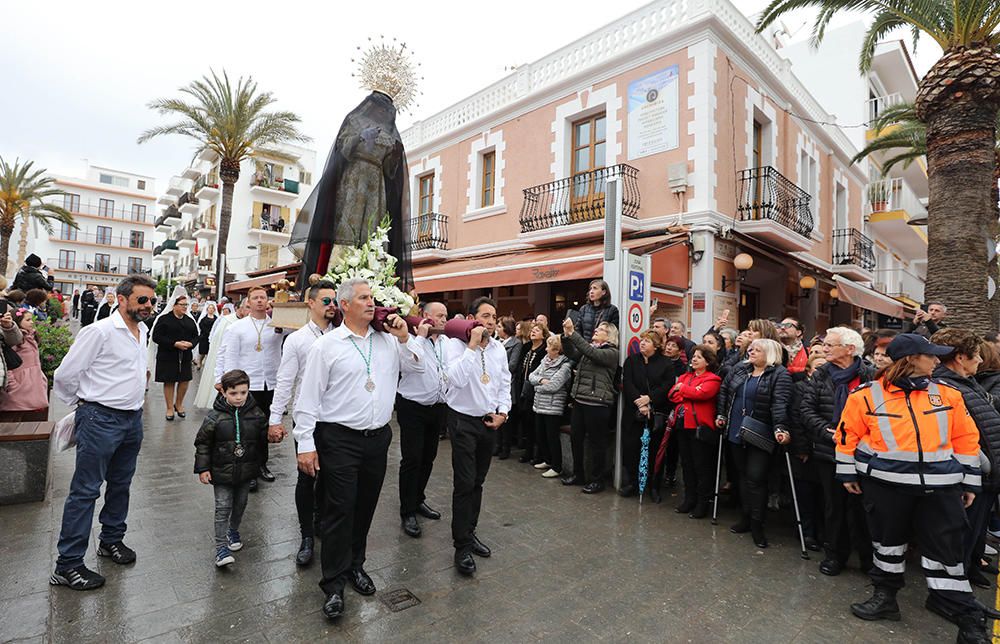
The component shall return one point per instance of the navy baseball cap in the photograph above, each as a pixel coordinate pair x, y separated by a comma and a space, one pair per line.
911, 344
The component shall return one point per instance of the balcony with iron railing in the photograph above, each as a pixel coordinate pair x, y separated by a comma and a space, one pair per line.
899, 283
274, 187
99, 265
119, 240
168, 246
185, 238
853, 254
428, 232
773, 209
130, 213
188, 203
204, 225
891, 207
577, 200
207, 186
875, 106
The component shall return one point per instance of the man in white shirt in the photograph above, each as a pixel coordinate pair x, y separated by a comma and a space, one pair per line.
253, 345
478, 398
342, 417
420, 411
321, 298
104, 374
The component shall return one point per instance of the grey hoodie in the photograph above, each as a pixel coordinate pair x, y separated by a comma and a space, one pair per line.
550, 398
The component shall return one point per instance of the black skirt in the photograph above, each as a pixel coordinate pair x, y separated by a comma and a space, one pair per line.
173, 366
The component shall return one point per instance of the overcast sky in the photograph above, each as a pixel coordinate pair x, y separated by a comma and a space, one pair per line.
79, 74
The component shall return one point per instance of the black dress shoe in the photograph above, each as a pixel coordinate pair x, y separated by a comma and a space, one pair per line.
757, 532
881, 605
593, 488
333, 607
831, 567
627, 490
410, 526
362, 582
572, 480
253, 485
989, 568
654, 494
266, 474
525, 458
504, 454
464, 563
700, 511
812, 544
742, 526
670, 481
685, 507
428, 512
305, 553
479, 548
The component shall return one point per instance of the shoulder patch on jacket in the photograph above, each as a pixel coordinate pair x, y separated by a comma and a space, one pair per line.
935, 400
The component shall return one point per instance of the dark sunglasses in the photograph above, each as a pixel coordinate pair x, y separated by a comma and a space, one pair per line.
143, 299
327, 301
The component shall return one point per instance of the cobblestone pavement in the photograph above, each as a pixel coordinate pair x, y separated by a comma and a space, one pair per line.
566, 567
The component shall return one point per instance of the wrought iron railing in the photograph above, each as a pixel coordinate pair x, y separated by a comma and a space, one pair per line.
120, 240
169, 244
850, 246
577, 199
99, 265
429, 230
187, 198
764, 193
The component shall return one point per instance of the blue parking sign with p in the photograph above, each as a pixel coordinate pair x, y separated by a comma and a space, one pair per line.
637, 286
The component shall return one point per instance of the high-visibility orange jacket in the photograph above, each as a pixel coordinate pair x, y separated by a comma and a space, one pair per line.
924, 438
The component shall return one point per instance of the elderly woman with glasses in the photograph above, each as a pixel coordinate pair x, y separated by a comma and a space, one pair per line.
753, 408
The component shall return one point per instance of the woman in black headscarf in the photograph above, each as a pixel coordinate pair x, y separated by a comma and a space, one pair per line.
88, 307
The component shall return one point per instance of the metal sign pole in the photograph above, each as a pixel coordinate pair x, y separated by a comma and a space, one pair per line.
613, 262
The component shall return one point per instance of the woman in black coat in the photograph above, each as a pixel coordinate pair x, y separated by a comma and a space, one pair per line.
205, 330
531, 357
175, 335
646, 378
88, 308
756, 392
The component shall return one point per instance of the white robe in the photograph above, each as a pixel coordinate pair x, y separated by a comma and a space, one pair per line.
205, 398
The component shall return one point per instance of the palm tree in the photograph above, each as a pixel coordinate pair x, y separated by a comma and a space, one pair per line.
26, 194
231, 121
957, 101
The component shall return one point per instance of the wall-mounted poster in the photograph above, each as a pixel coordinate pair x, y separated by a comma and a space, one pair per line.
653, 113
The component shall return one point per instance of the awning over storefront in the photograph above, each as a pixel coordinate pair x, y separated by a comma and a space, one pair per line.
866, 298
264, 280
578, 262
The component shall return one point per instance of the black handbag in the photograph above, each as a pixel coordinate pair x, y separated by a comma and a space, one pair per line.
703, 432
758, 434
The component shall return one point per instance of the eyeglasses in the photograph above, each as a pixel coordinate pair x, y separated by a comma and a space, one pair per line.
327, 301
143, 299
831, 346
785, 325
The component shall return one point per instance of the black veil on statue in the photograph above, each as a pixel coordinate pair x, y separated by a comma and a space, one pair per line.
319, 226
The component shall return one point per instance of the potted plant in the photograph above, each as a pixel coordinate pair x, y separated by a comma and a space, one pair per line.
878, 196
54, 341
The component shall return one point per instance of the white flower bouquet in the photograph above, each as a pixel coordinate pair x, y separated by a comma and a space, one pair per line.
373, 263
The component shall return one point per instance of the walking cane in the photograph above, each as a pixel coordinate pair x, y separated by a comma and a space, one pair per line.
795, 502
718, 474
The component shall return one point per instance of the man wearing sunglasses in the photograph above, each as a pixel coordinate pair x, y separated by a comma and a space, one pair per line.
321, 298
790, 332
104, 377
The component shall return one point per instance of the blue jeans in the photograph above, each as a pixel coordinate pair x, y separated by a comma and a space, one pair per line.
107, 446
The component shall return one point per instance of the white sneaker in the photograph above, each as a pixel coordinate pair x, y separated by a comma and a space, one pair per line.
542, 466
550, 474
990, 550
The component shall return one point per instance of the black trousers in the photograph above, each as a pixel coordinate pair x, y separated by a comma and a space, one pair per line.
934, 518
974, 540
419, 429
263, 400
547, 431
697, 465
471, 452
527, 425
352, 469
844, 521
589, 422
308, 496
754, 466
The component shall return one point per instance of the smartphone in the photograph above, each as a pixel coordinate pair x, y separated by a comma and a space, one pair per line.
3, 307
655, 303
923, 307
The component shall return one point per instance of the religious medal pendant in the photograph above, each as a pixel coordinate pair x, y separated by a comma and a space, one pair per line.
485, 378
258, 347
370, 385
238, 451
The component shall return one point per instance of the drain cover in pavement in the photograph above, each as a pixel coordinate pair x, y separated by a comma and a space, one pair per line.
399, 599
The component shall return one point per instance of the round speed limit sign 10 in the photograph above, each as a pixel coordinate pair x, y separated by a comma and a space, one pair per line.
635, 318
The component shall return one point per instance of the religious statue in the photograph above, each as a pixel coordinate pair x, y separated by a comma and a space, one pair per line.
366, 178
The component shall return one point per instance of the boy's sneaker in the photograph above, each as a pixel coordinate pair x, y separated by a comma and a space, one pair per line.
223, 557
235, 543
119, 552
79, 578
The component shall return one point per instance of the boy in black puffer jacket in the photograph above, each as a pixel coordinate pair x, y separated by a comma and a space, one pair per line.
229, 450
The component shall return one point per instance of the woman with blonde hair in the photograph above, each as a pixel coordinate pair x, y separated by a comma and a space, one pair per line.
753, 408
551, 382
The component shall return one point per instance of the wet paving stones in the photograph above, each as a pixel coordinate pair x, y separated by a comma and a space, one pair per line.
567, 567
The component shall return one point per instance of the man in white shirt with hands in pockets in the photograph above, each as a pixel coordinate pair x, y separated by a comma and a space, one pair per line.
478, 398
342, 417
321, 298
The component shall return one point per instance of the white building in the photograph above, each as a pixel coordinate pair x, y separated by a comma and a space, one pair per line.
114, 211
273, 185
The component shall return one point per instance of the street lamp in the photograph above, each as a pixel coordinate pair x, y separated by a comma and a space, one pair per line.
834, 297
808, 285
743, 263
